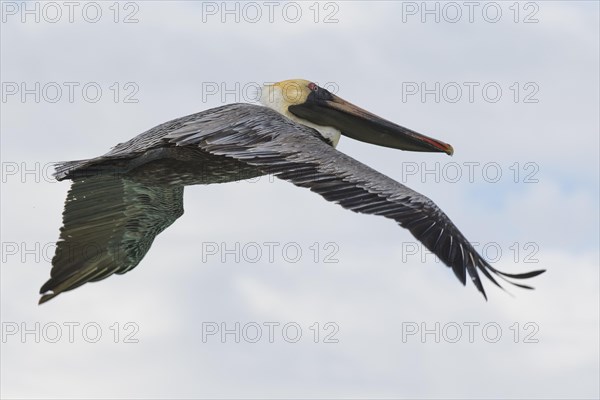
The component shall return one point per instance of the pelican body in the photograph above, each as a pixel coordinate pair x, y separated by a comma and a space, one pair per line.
120, 201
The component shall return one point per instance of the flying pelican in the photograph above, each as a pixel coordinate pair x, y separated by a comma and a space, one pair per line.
120, 201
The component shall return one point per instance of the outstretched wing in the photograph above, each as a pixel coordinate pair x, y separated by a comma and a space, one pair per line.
299, 155
109, 223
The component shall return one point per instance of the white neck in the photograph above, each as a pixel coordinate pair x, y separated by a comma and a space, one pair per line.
272, 97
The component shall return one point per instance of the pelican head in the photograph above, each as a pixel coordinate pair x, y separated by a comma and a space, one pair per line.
308, 104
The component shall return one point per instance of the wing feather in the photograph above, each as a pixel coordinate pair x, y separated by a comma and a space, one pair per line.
297, 154
123, 215
109, 223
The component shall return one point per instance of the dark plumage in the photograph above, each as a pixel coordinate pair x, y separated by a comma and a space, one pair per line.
120, 201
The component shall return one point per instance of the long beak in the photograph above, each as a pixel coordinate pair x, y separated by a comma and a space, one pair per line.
324, 108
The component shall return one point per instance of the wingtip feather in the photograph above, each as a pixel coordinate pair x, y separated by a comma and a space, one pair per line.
46, 297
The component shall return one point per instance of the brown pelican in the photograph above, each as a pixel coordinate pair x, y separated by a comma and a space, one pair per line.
120, 201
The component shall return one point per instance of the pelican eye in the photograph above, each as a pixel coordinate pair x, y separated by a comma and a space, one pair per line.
312, 86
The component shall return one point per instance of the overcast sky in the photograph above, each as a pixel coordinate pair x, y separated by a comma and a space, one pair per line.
347, 305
